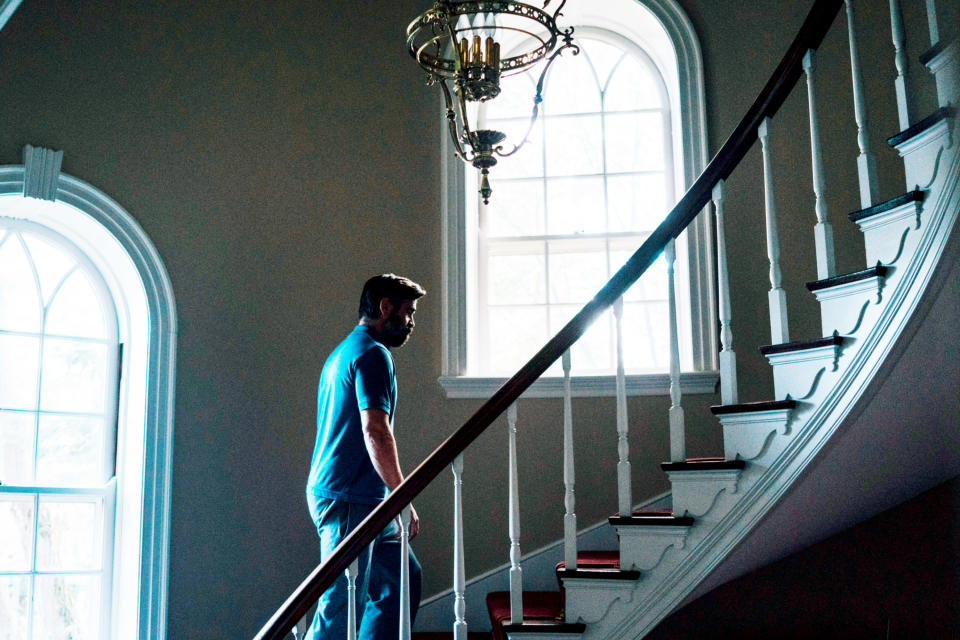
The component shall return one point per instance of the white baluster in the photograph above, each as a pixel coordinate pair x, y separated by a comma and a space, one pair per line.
624, 497
932, 22
351, 572
677, 435
459, 572
728, 359
776, 296
569, 501
822, 232
405, 573
896, 27
516, 573
866, 164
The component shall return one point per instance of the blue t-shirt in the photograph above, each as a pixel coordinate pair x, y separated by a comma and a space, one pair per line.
358, 375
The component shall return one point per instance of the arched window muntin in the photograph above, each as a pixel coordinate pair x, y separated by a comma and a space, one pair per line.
146, 313
606, 245
67, 505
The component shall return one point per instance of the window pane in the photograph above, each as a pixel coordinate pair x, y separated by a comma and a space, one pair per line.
69, 535
71, 451
571, 86
76, 310
576, 206
637, 203
516, 210
16, 532
652, 285
20, 306
578, 268
14, 606
574, 145
646, 337
67, 607
17, 431
528, 161
515, 99
517, 277
602, 56
74, 376
19, 364
635, 142
52, 263
632, 86
515, 335
592, 353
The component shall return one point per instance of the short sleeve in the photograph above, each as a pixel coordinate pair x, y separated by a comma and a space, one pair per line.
373, 380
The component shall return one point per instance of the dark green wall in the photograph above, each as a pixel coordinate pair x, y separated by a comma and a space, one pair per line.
278, 154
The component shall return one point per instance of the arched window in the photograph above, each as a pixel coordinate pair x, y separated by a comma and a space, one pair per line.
85, 423
620, 138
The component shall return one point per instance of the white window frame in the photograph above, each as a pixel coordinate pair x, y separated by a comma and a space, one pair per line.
141, 290
655, 24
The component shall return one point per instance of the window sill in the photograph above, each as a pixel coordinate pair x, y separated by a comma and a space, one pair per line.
652, 384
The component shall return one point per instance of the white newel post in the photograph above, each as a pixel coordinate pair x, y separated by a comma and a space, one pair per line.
866, 164
405, 573
459, 570
678, 438
776, 296
896, 27
351, 572
822, 232
569, 499
624, 497
728, 359
932, 22
516, 573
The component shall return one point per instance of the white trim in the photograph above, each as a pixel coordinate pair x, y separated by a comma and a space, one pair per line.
7, 7
653, 384
139, 283
687, 95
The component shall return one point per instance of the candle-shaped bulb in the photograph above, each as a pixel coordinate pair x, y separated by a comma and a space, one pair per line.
496, 56
477, 59
488, 52
464, 52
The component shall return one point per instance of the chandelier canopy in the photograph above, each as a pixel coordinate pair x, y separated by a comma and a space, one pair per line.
459, 43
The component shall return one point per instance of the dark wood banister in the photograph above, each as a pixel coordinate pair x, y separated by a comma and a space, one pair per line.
775, 92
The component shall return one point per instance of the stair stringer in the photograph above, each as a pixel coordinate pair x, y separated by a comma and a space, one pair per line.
767, 478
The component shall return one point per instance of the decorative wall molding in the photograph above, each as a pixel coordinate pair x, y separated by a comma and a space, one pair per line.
41, 172
652, 384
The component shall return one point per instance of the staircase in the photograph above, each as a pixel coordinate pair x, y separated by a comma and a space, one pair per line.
819, 382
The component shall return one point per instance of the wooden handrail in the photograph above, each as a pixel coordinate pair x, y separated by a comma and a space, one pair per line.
774, 94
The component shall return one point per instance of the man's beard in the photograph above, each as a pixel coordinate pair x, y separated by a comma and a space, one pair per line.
395, 333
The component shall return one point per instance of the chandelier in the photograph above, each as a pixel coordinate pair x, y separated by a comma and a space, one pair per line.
458, 43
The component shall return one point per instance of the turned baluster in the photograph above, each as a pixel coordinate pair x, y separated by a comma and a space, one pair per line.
776, 296
866, 164
896, 27
932, 22
405, 573
677, 435
569, 500
624, 497
728, 359
351, 572
822, 232
459, 571
516, 573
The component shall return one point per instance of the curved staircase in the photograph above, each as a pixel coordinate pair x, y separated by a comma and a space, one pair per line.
820, 383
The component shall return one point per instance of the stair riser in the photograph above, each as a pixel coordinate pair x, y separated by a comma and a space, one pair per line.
798, 374
696, 492
588, 600
643, 548
922, 154
890, 234
748, 435
842, 308
946, 69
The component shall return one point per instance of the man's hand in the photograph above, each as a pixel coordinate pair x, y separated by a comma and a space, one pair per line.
414, 523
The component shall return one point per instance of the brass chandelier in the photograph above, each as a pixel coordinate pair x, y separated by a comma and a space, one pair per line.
458, 42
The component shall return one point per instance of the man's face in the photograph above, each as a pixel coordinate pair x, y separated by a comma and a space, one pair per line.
399, 323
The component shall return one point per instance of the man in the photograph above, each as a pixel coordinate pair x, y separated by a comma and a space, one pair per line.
355, 462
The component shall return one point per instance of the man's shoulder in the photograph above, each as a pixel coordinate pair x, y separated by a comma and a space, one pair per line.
358, 344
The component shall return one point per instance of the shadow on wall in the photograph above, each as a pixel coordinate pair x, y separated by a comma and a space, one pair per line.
894, 576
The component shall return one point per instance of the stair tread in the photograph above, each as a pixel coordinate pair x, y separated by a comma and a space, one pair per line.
448, 635
651, 519
540, 626
940, 114
605, 573
878, 271
893, 203
933, 52
703, 464
595, 558
802, 345
538, 607
747, 407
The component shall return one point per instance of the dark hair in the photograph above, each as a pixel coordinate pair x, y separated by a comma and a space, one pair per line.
389, 286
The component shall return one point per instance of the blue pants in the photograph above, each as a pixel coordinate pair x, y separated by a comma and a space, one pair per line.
378, 579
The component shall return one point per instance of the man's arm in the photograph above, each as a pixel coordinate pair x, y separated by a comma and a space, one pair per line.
382, 449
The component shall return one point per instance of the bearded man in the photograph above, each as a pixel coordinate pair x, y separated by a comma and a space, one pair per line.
355, 463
